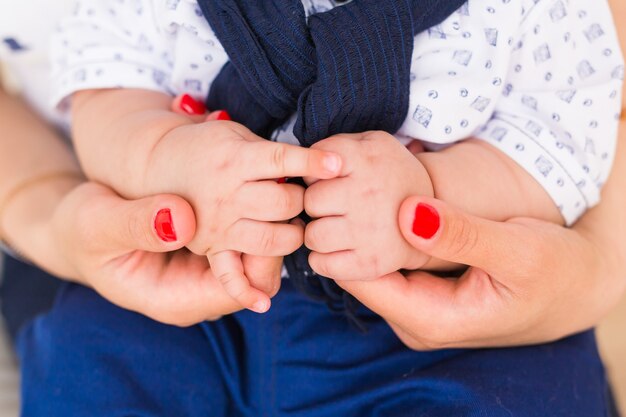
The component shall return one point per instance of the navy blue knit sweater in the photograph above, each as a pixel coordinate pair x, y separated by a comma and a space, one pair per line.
342, 71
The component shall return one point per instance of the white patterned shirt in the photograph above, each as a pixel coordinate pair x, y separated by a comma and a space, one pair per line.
538, 79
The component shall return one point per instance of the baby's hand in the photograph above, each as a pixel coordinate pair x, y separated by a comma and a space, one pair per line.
228, 174
356, 235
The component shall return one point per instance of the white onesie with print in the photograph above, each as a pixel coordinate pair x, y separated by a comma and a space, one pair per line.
538, 79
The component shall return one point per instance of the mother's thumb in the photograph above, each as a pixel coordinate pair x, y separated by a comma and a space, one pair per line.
447, 233
160, 223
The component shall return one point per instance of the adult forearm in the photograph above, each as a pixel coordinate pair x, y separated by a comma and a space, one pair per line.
37, 169
28, 146
115, 131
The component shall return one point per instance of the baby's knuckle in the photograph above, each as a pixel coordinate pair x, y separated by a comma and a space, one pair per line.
227, 280
310, 199
371, 193
311, 237
218, 202
223, 165
278, 157
267, 239
235, 291
283, 202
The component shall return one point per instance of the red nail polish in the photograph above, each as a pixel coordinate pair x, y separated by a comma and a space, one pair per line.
426, 222
223, 115
281, 180
191, 106
164, 226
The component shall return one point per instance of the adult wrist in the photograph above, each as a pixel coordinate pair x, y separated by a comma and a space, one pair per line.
26, 211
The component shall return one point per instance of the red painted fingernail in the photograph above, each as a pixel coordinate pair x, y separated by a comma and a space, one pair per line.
164, 226
191, 105
223, 115
281, 180
426, 222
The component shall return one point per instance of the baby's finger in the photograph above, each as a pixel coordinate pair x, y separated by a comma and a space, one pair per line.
328, 198
227, 267
269, 160
264, 238
264, 273
330, 234
269, 201
344, 265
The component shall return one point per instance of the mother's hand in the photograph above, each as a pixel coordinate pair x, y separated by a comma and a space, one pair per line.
529, 281
113, 245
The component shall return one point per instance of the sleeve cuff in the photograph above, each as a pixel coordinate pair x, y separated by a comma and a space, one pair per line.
106, 74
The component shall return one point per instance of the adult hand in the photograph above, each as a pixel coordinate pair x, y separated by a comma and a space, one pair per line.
123, 249
529, 282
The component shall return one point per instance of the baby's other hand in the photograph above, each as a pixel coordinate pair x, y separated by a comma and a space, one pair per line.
356, 235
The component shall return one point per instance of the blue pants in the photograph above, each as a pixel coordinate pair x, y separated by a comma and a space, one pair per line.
87, 357
25, 292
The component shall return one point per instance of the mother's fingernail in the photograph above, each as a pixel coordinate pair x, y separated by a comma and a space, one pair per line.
191, 106
426, 221
164, 226
332, 163
223, 115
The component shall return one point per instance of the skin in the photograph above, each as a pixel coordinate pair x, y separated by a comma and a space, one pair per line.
352, 238
84, 232
592, 274
529, 282
130, 139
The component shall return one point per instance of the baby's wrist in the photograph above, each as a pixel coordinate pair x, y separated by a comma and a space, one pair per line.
159, 159
427, 186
